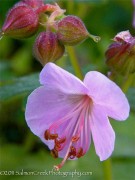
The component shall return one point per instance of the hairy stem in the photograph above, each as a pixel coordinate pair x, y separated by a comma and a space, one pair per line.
127, 82
74, 62
107, 169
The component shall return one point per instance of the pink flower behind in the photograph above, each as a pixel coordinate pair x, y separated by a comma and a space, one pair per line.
65, 112
120, 55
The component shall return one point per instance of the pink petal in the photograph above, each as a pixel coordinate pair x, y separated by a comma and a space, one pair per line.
102, 133
58, 78
80, 122
106, 93
46, 105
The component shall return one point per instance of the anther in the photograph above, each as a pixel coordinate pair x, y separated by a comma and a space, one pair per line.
79, 153
72, 152
57, 146
62, 140
75, 138
54, 153
58, 143
53, 136
47, 134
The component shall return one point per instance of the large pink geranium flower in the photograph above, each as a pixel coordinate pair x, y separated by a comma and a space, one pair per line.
65, 112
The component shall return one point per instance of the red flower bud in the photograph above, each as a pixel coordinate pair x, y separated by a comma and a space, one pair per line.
47, 47
120, 55
33, 3
72, 31
21, 22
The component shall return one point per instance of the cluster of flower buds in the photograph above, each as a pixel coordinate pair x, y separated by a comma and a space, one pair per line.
26, 16
120, 55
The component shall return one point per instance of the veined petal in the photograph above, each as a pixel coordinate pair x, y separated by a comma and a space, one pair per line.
86, 131
106, 93
58, 78
46, 105
79, 128
102, 132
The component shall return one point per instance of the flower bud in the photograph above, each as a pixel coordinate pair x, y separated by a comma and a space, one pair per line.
33, 3
71, 31
120, 55
21, 22
47, 47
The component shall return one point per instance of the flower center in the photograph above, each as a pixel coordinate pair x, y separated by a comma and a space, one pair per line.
71, 132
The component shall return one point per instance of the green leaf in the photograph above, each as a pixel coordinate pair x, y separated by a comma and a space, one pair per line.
6, 73
19, 86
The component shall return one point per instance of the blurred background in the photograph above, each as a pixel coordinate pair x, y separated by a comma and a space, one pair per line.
20, 150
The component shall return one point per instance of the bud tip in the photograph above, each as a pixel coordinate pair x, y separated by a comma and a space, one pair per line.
1, 34
95, 38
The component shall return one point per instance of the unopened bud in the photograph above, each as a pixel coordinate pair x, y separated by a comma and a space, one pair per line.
120, 55
21, 22
47, 47
72, 31
33, 3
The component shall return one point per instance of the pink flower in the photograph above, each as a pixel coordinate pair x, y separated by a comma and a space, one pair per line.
120, 55
65, 112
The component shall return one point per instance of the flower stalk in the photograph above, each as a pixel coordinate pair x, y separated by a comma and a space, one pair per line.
107, 169
127, 83
74, 62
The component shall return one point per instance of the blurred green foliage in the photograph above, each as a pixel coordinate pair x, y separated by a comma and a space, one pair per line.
19, 70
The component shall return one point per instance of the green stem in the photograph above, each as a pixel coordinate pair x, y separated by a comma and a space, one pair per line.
127, 82
74, 62
70, 7
107, 169
29, 142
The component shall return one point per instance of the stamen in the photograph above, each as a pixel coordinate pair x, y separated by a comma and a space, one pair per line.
72, 152
75, 138
58, 144
57, 167
80, 152
62, 140
54, 153
53, 136
49, 136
